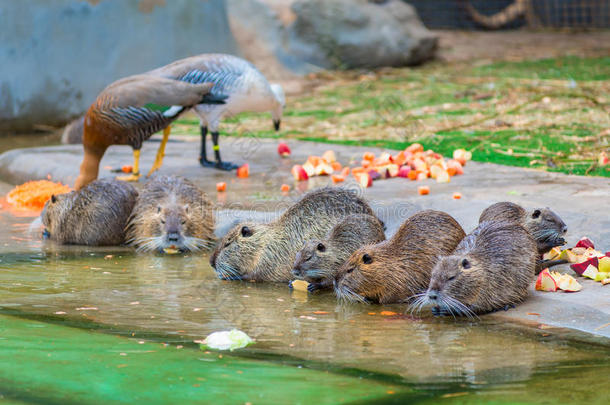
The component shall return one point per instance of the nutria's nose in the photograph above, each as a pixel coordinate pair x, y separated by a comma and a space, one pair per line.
433, 295
173, 236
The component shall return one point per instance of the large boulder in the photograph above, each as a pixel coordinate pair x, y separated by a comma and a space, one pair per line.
359, 34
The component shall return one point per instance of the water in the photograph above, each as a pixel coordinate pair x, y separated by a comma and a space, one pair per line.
177, 299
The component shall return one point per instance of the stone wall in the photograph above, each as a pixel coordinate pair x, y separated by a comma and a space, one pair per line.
56, 55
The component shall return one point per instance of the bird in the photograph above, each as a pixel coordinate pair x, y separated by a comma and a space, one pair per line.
246, 89
129, 111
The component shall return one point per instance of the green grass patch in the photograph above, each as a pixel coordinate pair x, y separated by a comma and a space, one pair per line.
565, 68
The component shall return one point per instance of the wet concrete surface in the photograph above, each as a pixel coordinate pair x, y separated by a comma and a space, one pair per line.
581, 201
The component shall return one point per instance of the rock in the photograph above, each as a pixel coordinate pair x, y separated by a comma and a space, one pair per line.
359, 34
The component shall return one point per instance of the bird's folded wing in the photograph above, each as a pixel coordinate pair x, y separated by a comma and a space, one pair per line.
142, 90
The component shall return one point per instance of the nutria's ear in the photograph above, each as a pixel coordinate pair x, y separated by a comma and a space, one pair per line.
536, 214
53, 199
466, 264
321, 247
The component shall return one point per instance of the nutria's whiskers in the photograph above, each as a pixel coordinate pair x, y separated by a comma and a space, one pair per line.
418, 301
460, 308
344, 293
145, 245
226, 272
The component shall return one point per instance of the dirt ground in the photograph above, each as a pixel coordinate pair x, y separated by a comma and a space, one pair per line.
460, 46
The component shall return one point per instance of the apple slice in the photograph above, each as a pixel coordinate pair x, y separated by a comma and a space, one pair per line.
443, 177
590, 272
545, 282
414, 148
337, 178
323, 169
552, 254
364, 179
603, 264
400, 158
580, 268
299, 173
309, 169
462, 156
423, 190
404, 171
585, 242
283, 150
590, 252
601, 276
568, 283
329, 156
243, 171
568, 255
299, 285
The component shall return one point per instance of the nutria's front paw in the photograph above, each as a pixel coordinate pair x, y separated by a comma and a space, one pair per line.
313, 287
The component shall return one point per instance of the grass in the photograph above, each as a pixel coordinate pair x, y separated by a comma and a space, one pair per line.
551, 114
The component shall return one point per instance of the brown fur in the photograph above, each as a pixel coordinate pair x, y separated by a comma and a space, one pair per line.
171, 212
544, 225
95, 215
320, 259
266, 252
400, 267
490, 269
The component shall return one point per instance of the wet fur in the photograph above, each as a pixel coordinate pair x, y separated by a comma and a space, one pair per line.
164, 198
401, 266
502, 257
320, 267
547, 229
269, 253
96, 215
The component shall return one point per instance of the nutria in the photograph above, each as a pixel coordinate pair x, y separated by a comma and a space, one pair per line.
96, 215
266, 252
490, 269
543, 224
320, 259
171, 214
398, 268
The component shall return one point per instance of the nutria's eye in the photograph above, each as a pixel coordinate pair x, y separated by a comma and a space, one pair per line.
183, 221
159, 209
350, 270
245, 232
451, 278
536, 214
53, 199
366, 259
465, 264
163, 221
321, 247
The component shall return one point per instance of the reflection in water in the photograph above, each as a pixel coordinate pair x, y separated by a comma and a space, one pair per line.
179, 297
